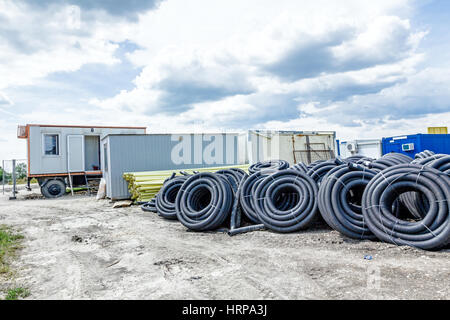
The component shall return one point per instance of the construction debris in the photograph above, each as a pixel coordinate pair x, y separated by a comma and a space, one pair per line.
122, 204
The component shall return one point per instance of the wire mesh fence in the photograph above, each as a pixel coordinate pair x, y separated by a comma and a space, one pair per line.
12, 174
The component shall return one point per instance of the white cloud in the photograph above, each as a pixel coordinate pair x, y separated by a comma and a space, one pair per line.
4, 100
36, 43
352, 66
301, 53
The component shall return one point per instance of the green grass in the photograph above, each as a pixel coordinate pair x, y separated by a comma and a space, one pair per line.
9, 243
21, 181
16, 293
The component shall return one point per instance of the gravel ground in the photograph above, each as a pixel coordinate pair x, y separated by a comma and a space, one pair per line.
80, 248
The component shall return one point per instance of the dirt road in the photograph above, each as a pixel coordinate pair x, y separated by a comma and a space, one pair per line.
80, 248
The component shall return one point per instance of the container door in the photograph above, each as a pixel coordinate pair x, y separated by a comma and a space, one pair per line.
75, 153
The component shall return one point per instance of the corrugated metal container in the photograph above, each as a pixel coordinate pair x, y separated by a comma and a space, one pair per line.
370, 148
412, 144
292, 146
134, 153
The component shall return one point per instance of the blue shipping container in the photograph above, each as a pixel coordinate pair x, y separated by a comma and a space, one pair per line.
412, 144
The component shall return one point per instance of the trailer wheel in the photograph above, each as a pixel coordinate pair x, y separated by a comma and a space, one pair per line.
54, 188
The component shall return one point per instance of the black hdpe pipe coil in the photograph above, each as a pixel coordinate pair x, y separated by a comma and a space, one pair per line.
416, 203
286, 201
149, 206
430, 233
264, 165
439, 162
166, 197
355, 158
312, 164
246, 193
300, 167
399, 156
388, 160
234, 176
358, 159
339, 200
204, 201
426, 161
235, 220
318, 171
237, 177
424, 154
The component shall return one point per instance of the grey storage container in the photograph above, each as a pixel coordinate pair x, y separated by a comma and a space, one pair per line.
153, 152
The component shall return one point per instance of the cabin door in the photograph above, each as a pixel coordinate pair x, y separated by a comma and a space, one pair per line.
75, 153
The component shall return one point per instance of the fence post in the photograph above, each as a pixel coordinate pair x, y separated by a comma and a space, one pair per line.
3, 175
13, 197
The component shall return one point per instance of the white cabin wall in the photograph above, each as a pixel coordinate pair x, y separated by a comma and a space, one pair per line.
45, 164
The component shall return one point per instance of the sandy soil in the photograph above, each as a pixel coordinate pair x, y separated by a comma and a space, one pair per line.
80, 248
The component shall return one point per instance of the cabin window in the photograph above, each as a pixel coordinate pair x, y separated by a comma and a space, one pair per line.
51, 144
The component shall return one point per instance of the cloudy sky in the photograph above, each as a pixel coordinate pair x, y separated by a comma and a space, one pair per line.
365, 69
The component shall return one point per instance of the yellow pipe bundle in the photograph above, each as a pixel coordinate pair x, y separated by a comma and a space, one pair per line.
143, 186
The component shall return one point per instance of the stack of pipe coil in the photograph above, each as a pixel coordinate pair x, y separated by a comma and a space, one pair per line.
433, 230
340, 200
264, 165
394, 198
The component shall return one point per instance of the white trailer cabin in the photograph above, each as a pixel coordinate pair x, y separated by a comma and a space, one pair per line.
58, 152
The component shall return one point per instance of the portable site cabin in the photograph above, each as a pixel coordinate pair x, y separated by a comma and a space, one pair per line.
292, 146
154, 152
371, 148
58, 152
416, 143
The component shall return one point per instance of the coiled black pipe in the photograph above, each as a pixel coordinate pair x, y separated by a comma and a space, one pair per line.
388, 160
149, 206
400, 156
286, 201
430, 233
264, 165
319, 170
428, 160
358, 159
339, 200
415, 202
204, 201
236, 215
442, 164
234, 176
354, 158
312, 164
166, 197
424, 154
246, 193
300, 167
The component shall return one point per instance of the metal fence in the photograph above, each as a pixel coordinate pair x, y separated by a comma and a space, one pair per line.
13, 173
313, 152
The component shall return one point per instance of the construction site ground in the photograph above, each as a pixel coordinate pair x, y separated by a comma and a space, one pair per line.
76, 247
